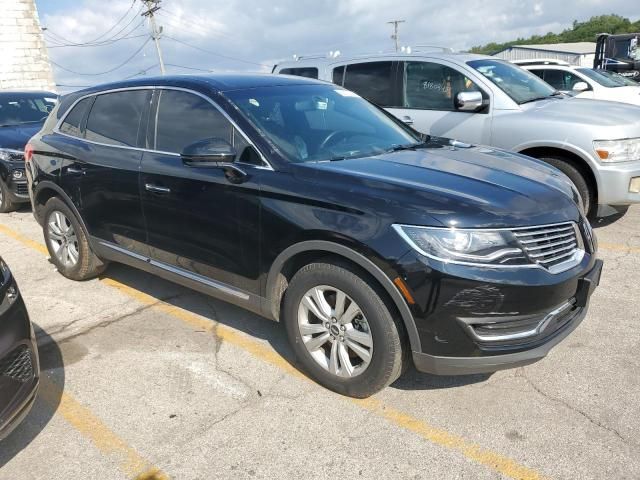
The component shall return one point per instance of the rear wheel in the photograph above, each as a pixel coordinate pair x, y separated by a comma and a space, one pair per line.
6, 205
342, 331
67, 243
578, 180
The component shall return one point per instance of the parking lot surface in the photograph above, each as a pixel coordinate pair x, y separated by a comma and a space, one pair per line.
145, 379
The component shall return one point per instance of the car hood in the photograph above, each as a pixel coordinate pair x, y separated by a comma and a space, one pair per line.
17, 136
583, 111
464, 186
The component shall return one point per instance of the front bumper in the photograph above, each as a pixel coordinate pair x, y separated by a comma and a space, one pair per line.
19, 363
18, 191
614, 183
483, 320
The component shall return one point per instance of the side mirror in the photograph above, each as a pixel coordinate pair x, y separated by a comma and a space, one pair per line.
580, 87
469, 101
211, 152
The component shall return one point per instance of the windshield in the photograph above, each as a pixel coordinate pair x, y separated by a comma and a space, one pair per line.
616, 77
16, 108
320, 122
597, 76
521, 85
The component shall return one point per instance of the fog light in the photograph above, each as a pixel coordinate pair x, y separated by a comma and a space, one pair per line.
17, 174
634, 185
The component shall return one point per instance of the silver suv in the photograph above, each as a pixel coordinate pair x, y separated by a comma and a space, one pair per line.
483, 100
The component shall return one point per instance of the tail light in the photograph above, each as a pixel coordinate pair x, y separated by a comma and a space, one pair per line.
28, 153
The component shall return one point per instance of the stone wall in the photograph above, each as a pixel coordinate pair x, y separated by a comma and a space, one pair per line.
24, 63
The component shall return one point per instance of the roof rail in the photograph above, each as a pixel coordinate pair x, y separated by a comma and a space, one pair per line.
435, 47
541, 61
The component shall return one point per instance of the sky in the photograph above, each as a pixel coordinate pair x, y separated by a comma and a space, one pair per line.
253, 35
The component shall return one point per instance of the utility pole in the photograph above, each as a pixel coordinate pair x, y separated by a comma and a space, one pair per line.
395, 36
152, 7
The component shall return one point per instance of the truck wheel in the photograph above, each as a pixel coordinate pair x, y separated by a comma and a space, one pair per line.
342, 331
6, 205
587, 193
67, 243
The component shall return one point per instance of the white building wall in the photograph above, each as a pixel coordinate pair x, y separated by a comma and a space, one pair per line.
24, 63
515, 53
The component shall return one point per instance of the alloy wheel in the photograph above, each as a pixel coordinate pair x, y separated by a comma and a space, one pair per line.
335, 331
63, 239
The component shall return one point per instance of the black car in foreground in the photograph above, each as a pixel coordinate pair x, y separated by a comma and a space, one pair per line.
22, 114
302, 202
19, 366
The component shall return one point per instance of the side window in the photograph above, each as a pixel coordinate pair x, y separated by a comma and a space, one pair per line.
115, 117
432, 86
372, 81
561, 80
309, 72
538, 73
71, 123
183, 118
338, 75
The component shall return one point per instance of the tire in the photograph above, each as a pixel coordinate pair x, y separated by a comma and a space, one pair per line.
579, 181
376, 324
6, 205
61, 229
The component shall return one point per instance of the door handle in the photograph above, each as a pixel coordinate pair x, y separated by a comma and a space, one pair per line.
75, 170
156, 189
407, 119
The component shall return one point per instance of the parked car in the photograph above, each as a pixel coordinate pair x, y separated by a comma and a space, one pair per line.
486, 101
583, 82
19, 365
304, 203
22, 114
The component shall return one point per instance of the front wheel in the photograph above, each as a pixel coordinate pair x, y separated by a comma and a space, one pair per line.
342, 331
6, 205
578, 180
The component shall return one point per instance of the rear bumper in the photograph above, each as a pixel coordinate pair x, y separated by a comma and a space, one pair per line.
614, 180
470, 365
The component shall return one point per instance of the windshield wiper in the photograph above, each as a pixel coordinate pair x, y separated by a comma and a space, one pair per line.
408, 146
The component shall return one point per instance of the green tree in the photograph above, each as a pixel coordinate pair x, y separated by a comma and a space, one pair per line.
579, 32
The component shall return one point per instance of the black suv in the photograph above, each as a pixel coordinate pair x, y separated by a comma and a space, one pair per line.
21, 116
306, 204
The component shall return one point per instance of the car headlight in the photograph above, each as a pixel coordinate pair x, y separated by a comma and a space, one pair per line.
17, 174
9, 154
611, 151
483, 247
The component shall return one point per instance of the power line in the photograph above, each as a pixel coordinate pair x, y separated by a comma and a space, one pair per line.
178, 19
215, 53
141, 72
107, 71
188, 68
63, 41
101, 44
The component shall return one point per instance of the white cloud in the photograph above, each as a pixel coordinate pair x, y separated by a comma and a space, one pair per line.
261, 32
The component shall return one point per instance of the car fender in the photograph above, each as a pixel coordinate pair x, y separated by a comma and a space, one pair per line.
360, 260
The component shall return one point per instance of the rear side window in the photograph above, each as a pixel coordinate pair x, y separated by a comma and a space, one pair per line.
538, 73
309, 72
372, 81
561, 79
432, 86
184, 118
115, 118
71, 124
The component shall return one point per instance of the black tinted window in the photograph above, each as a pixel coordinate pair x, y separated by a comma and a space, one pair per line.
71, 124
338, 75
371, 80
538, 73
561, 79
18, 108
115, 117
184, 118
432, 86
309, 72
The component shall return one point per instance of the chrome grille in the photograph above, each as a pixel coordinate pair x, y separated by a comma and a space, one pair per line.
549, 245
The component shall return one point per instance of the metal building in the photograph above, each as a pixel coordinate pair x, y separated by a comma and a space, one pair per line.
24, 63
579, 53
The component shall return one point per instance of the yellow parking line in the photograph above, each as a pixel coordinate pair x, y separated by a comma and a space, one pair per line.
107, 442
24, 240
495, 461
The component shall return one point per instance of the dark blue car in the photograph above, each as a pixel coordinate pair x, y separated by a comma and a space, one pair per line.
21, 116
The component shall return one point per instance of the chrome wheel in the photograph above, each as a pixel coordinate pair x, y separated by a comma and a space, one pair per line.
335, 331
63, 239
